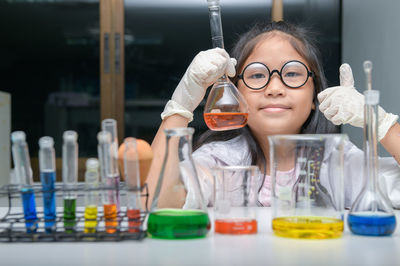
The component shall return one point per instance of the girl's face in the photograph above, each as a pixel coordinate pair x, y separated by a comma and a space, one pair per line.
276, 108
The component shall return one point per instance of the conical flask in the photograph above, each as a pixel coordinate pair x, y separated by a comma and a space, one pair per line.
178, 186
225, 108
371, 213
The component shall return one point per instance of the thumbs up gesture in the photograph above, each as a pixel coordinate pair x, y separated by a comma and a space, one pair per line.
345, 105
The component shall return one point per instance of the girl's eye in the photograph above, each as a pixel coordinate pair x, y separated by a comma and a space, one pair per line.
257, 76
292, 74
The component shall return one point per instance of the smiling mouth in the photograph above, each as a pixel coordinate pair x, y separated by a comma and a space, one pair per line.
275, 108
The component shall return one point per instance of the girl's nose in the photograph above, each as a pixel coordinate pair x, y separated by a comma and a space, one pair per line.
275, 86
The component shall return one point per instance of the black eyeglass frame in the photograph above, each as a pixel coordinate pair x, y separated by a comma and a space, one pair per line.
309, 74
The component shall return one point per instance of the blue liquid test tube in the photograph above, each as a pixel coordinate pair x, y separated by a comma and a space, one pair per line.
47, 162
110, 125
23, 172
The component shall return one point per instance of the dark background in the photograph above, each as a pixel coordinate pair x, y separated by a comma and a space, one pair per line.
50, 58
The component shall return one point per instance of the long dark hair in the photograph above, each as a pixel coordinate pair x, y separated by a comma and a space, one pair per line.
302, 41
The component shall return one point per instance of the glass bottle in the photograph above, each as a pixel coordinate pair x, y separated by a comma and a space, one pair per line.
225, 108
371, 213
178, 184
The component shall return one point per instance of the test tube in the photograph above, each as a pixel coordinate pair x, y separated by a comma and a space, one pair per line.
110, 125
23, 172
48, 179
70, 178
109, 195
91, 196
132, 177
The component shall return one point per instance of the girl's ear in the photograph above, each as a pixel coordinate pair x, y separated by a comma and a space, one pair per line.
313, 106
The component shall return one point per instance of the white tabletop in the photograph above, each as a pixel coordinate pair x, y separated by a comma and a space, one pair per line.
261, 249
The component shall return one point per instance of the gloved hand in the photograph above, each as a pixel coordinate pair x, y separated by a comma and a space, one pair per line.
205, 69
345, 105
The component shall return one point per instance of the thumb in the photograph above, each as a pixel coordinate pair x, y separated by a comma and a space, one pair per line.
346, 76
230, 68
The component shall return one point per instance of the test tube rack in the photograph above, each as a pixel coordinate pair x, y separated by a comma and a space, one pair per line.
12, 223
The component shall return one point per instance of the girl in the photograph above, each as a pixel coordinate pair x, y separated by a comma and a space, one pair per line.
279, 103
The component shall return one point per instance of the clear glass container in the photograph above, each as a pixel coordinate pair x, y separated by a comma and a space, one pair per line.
91, 195
70, 178
110, 125
23, 174
132, 180
225, 108
235, 199
307, 185
109, 195
47, 165
178, 185
371, 212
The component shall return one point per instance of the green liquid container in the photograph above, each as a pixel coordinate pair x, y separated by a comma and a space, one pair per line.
69, 214
178, 224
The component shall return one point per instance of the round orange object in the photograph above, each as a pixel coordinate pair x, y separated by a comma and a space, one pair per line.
145, 156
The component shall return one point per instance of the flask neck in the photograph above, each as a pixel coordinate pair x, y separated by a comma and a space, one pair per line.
371, 147
214, 12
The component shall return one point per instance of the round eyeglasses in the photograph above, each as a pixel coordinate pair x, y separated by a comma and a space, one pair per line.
293, 74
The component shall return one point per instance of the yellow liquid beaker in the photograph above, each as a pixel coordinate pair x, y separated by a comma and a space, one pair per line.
308, 227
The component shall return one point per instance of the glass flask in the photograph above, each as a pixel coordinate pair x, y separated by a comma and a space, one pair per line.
178, 185
307, 185
236, 192
225, 108
371, 213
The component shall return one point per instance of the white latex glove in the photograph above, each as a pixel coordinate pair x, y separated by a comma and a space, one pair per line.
205, 69
345, 105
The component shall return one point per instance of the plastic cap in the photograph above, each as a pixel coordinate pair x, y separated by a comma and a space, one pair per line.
104, 137
371, 97
70, 136
18, 136
46, 142
92, 163
109, 121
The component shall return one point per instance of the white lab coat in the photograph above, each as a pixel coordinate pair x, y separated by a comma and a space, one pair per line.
235, 152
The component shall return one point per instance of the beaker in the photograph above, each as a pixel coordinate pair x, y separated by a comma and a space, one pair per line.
371, 212
225, 108
307, 185
235, 194
178, 186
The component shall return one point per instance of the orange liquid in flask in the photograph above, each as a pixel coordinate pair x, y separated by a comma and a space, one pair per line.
110, 216
236, 226
225, 121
